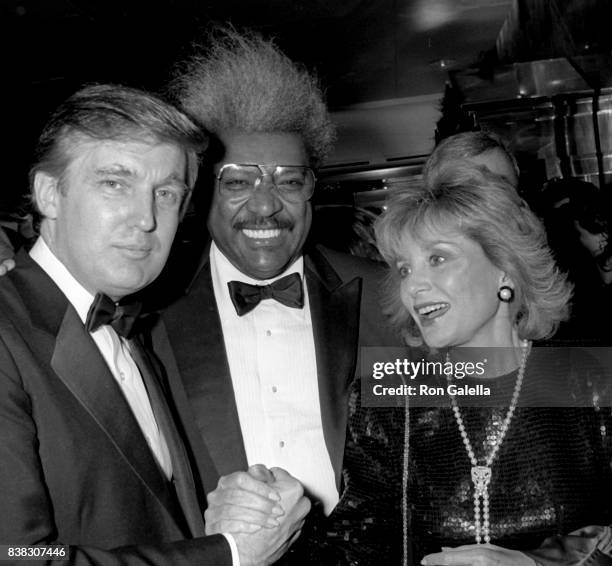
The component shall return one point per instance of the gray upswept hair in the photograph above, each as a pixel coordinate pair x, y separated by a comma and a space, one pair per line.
487, 209
241, 82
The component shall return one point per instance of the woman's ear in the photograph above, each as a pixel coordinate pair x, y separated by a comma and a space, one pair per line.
505, 290
506, 281
46, 192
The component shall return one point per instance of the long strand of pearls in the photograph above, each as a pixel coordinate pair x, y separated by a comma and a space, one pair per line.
481, 474
405, 464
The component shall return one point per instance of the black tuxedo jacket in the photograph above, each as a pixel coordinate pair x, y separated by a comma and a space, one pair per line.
74, 465
343, 294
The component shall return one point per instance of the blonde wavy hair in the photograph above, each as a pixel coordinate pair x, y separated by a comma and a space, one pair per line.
485, 208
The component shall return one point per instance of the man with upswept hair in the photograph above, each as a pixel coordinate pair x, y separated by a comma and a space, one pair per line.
263, 344
240, 82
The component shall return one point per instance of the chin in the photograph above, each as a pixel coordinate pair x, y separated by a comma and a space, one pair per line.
434, 341
131, 285
267, 270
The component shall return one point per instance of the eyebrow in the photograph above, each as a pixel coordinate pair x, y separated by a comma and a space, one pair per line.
115, 170
122, 171
428, 243
174, 178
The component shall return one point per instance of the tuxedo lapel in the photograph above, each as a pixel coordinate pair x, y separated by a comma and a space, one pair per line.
196, 336
334, 309
79, 364
182, 477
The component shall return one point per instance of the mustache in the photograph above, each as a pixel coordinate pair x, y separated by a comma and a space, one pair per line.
262, 224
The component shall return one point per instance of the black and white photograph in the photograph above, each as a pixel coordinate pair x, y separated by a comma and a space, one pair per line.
306, 283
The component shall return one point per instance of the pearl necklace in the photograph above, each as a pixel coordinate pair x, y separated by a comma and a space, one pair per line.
481, 475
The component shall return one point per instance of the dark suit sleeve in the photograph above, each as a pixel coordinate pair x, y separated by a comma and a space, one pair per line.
27, 512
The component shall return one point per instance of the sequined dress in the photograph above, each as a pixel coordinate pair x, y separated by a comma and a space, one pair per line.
551, 476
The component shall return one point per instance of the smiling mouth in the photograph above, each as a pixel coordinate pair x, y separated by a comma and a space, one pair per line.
266, 234
430, 311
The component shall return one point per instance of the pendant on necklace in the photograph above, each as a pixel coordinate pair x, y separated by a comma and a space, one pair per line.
481, 477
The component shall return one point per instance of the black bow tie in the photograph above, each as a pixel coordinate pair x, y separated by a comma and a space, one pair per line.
287, 290
104, 310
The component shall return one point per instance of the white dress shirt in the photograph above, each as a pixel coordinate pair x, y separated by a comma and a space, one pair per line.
272, 361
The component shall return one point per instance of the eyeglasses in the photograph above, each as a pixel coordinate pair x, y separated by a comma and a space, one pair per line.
293, 183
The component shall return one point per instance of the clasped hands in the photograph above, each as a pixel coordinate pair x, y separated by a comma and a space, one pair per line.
263, 509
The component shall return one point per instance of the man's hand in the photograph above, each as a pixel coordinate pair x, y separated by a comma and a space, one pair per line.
6, 265
478, 555
266, 546
244, 502
6, 254
263, 509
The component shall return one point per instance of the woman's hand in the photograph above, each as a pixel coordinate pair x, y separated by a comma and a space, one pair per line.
478, 555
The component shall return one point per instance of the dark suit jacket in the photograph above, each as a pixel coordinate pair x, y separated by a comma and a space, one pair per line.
343, 292
74, 465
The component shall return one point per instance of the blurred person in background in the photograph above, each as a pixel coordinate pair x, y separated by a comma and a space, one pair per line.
480, 148
578, 224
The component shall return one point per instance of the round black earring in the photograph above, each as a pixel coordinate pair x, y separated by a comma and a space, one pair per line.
505, 294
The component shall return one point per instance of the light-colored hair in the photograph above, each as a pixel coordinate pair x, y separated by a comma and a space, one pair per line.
460, 147
241, 82
114, 112
487, 209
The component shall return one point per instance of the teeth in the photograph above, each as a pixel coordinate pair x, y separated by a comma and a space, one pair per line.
431, 308
261, 234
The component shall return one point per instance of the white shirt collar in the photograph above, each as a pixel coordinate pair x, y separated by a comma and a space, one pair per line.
78, 296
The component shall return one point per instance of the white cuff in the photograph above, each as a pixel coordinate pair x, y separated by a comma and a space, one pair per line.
233, 548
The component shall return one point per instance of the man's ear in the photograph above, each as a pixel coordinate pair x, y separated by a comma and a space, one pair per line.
46, 193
